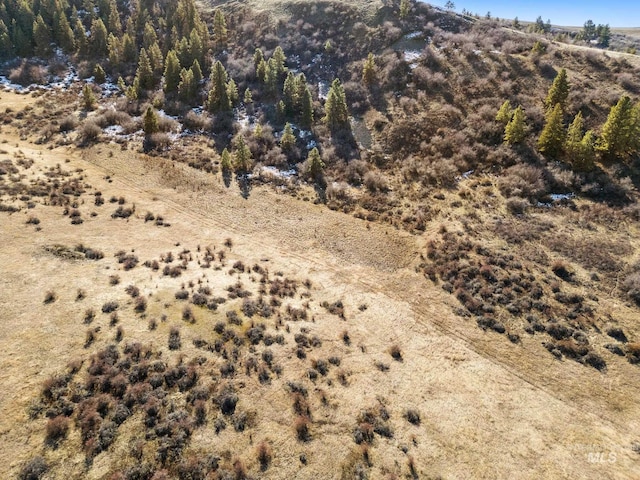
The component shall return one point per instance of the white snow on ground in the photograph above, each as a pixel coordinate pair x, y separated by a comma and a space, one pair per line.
280, 173
323, 90
412, 35
411, 57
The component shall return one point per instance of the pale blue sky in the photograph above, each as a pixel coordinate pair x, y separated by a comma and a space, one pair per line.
617, 13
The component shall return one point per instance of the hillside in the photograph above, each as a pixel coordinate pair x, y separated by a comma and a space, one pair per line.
222, 262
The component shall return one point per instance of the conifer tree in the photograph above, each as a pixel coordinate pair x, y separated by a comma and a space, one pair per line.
288, 139
271, 77
261, 70
619, 131
279, 58
248, 97
157, 61
369, 71
64, 34
98, 39
232, 92
218, 99
219, 30
150, 121
553, 134
113, 51
306, 108
6, 48
197, 71
505, 113
242, 155
225, 161
144, 73
88, 98
558, 92
187, 88
171, 72
79, 37
289, 93
404, 9
336, 111
99, 75
314, 164
579, 147
258, 57
196, 47
515, 131
129, 52
42, 38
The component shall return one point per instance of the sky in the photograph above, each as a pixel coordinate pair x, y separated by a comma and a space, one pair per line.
617, 13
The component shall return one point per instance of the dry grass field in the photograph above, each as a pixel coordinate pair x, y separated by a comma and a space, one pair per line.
367, 371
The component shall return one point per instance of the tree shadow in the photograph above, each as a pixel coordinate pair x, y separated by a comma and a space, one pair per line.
320, 186
227, 177
244, 184
345, 144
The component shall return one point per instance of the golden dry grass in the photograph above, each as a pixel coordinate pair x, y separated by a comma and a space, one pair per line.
489, 409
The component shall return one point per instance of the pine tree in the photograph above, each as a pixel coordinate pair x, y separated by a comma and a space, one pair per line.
225, 161
258, 57
288, 139
271, 77
306, 109
196, 47
157, 61
261, 70
150, 122
64, 33
232, 92
618, 131
187, 88
218, 99
88, 98
242, 155
113, 51
369, 71
579, 147
6, 48
336, 111
42, 38
197, 71
289, 93
144, 73
314, 164
171, 72
98, 39
553, 134
129, 52
404, 9
99, 75
219, 30
558, 92
279, 58
248, 97
515, 131
505, 113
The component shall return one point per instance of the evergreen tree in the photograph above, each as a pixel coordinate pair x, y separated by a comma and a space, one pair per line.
505, 113
553, 134
171, 72
196, 47
515, 131
258, 57
279, 58
579, 148
369, 71
604, 35
617, 139
187, 88
99, 75
113, 22
150, 122
404, 9
306, 108
315, 165
157, 61
289, 93
248, 97
232, 92
288, 139
64, 33
42, 38
149, 36
219, 30
336, 111
261, 71
271, 77
218, 99
243, 160
558, 92
6, 48
516, 23
98, 39
129, 52
589, 31
225, 161
197, 71
113, 51
144, 73
88, 98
